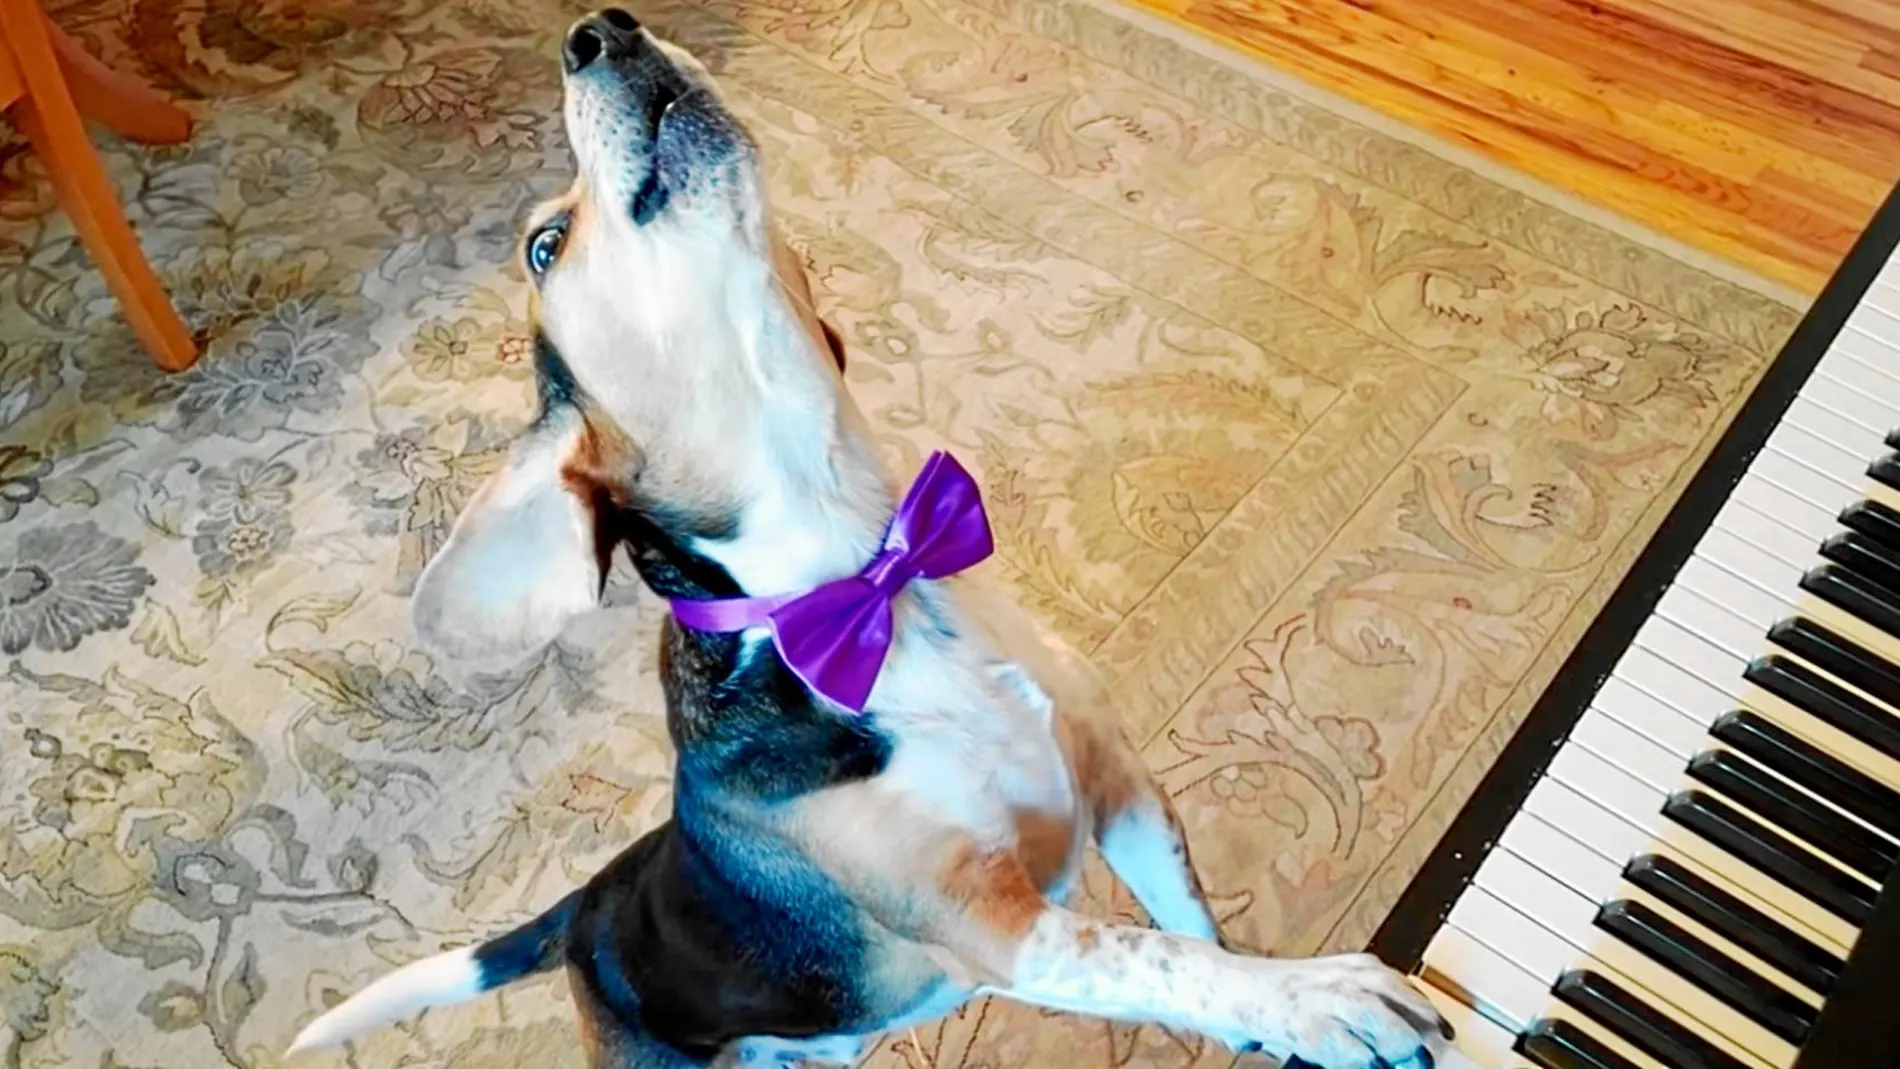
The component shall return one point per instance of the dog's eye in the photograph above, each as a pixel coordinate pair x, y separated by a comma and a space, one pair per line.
543, 247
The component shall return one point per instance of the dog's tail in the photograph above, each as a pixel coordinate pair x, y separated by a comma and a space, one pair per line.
445, 979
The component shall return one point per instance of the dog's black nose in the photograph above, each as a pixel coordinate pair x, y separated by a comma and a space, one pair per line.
608, 32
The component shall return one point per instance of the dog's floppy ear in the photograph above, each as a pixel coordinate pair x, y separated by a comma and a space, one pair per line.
528, 554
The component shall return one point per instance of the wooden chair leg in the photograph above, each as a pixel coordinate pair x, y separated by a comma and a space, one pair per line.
123, 104
52, 125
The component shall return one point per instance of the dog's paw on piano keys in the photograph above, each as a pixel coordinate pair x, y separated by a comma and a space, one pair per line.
1346, 1012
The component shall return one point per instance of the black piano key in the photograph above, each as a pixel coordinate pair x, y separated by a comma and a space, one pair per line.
1855, 595
1857, 552
1562, 1045
1893, 438
1782, 752
1795, 812
1875, 520
1674, 947
1738, 922
1833, 652
1609, 1004
1886, 470
1772, 854
1827, 701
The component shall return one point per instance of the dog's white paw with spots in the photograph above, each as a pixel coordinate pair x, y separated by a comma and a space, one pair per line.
1345, 1012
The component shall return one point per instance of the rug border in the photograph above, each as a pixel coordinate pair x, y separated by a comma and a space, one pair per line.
1259, 69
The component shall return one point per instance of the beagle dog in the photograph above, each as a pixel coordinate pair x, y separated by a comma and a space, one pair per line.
826, 876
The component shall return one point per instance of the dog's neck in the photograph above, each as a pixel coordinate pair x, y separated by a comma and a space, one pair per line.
806, 517
802, 499
798, 533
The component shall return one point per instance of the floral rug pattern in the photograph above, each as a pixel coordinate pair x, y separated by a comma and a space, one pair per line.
1325, 447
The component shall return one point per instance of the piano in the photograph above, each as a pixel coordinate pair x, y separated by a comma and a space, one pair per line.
1686, 857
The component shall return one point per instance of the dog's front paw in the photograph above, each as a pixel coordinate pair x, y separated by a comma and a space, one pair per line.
1346, 1012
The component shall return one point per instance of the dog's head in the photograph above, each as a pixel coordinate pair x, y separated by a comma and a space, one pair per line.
684, 375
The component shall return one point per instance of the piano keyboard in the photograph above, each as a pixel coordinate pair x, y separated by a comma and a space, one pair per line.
1680, 871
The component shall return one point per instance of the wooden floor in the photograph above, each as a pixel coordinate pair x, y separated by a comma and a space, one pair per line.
1765, 131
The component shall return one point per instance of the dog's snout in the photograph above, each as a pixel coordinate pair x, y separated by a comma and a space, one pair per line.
609, 32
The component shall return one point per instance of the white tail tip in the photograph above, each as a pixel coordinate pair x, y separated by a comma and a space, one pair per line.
442, 980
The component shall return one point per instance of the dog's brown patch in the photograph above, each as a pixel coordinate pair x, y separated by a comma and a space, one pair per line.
600, 463
597, 471
1043, 843
579, 205
836, 343
593, 1050
993, 888
1103, 766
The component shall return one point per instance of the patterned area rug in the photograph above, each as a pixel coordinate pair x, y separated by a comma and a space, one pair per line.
1326, 447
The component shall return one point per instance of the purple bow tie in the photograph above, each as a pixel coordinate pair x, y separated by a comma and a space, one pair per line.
836, 637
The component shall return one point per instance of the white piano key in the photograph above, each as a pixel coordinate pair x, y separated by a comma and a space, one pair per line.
1596, 827
1837, 813
1871, 301
1586, 821
1873, 310
1835, 429
1641, 728
1480, 1042
1710, 622
1673, 686
1741, 955
1843, 747
1452, 1057
1876, 405
1558, 909
1565, 859
1628, 796
1759, 607
1505, 930
1889, 271
1561, 859
1747, 562
1737, 617
1880, 322
1498, 986
1651, 718
1881, 291
1799, 480
1875, 640
1712, 571
1846, 471
1600, 734
1782, 507
1700, 658
1619, 817
1859, 357
1622, 794
1860, 405
1744, 521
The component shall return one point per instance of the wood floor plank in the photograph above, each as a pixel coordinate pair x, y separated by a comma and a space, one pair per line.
1762, 130
1801, 107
